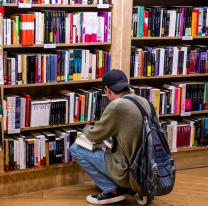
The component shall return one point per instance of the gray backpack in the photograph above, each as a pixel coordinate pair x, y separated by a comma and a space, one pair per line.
153, 169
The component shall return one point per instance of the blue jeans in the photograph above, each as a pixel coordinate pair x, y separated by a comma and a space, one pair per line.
93, 162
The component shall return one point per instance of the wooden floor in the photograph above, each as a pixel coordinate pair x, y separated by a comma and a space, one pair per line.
191, 189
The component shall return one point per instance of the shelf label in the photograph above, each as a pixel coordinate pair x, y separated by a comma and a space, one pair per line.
103, 6
27, 5
49, 46
190, 38
13, 131
174, 150
185, 114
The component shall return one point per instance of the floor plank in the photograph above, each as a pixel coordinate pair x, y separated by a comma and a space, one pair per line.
191, 189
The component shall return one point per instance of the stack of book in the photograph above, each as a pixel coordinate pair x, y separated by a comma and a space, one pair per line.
168, 60
38, 149
189, 132
84, 2
82, 105
48, 27
171, 21
178, 97
59, 66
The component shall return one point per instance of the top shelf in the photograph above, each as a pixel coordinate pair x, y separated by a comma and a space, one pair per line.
165, 38
57, 6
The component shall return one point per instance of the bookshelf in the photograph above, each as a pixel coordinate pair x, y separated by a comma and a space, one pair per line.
48, 177
185, 158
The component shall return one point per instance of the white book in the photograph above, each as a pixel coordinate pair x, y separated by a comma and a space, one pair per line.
175, 61
22, 152
22, 112
161, 17
185, 49
89, 107
67, 32
5, 115
174, 124
9, 101
42, 28
32, 123
53, 2
102, 28
87, 64
78, 28
5, 31
18, 154
8, 31
109, 26
39, 27
172, 22
71, 1
162, 57
136, 63
59, 1
93, 66
74, 27
47, 1
83, 65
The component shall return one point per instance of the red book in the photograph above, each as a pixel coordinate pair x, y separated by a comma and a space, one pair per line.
193, 59
27, 97
78, 102
36, 69
23, 29
197, 20
178, 136
76, 2
71, 28
145, 23
28, 30
32, 17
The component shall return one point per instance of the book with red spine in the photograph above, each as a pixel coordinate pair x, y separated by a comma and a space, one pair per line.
145, 23
42, 70
76, 118
178, 136
23, 29
71, 28
27, 97
193, 60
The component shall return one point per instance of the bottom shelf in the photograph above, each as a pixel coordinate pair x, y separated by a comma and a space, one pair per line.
34, 169
180, 150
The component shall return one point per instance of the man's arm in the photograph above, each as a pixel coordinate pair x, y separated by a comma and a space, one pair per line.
105, 128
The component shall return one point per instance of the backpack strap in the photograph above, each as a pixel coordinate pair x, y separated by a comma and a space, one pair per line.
144, 113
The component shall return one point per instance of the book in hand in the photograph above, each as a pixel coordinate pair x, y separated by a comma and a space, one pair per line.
84, 142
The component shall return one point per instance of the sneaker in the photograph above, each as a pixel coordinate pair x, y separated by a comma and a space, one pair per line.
145, 200
125, 191
105, 198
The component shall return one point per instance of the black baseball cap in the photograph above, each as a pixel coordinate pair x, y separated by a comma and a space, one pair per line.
115, 80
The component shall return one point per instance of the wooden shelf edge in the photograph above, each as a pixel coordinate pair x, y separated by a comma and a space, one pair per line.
51, 84
36, 169
189, 149
179, 114
58, 45
164, 38
57, 5
170, 76
55, 126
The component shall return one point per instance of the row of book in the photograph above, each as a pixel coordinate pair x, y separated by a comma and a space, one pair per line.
83, 105
178, 97
38, 149
59, 66
168, 60
188, 132
56, 27
171, 21
84, 2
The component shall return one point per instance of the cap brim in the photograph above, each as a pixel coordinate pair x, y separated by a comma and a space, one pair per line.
118, 87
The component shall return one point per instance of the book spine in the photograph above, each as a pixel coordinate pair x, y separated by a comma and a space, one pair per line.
141, 19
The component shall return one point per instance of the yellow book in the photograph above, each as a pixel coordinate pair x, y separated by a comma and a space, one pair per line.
100, 71
149, 70
156, 99
194, 24
42, 29
47, 153
24, 60
193, 136
179, 101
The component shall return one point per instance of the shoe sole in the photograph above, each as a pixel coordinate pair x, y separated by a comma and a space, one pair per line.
105, 202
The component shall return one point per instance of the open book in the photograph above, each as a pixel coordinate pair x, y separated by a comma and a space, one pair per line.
84, 142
